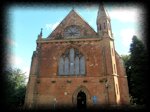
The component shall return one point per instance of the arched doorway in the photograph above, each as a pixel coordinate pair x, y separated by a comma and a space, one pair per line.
81, 100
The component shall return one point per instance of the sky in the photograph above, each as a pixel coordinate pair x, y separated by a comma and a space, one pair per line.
25, 23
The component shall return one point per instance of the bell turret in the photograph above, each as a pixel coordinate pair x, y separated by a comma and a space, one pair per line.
103, 22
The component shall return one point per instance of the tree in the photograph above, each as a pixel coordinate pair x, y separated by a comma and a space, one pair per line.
15, 87
127, 64
136, 68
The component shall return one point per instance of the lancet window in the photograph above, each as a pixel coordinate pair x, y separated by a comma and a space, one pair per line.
72, 62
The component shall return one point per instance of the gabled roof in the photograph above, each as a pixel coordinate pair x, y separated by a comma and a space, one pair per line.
72, 19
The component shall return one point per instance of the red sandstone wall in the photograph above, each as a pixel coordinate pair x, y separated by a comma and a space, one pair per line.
51, 52
48, 90
51, 86
123, 84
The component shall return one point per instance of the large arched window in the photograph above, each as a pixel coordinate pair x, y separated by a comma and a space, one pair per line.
72, 62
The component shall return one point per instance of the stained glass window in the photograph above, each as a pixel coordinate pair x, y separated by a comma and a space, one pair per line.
72, 62
82, 65
66, 66
61, 66
77, 65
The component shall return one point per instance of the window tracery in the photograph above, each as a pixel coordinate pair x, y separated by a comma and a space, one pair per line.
72, 62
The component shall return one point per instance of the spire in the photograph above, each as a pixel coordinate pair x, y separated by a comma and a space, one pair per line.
40, 35
102, 12
41, 32
103, 22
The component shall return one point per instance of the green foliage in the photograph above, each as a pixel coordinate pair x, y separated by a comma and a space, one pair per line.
127, 63
136, 68
139, 68
15, 87
126, 60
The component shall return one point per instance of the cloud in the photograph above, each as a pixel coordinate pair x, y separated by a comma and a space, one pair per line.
26, 70
88, 7
18, 62
15, 61
51, 26
124, 14
126, 36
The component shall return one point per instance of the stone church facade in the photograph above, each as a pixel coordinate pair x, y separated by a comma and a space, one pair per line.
76, 66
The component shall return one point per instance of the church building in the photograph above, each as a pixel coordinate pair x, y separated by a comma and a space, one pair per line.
77, 67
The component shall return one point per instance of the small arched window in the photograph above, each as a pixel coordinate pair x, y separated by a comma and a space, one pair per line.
100, 27
104, 26
72, 62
